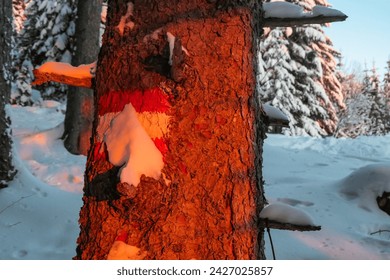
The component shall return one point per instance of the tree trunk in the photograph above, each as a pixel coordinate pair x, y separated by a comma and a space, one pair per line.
7, 171
193, 63
79, 113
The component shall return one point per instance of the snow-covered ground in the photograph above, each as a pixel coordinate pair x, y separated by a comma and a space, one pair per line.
39, 210
335, 181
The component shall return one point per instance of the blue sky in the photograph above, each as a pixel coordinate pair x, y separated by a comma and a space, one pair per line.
365, 36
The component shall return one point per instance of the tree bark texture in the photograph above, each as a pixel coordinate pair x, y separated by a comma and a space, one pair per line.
206, 203
79, 113
7, 171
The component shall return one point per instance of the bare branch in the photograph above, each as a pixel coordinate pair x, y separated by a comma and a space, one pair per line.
265, 223
284, 22
13, 203
379, 231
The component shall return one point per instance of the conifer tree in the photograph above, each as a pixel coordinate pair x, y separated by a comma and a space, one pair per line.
46, 36
371, 81
354, 120
277, 78
386, 81
379, 111
18, 7
317, 90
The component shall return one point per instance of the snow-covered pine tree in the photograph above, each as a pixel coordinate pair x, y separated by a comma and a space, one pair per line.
379, 114
308, 89
277, 80
320, 60
386, 82
367, 111
316, 84
46, 36
354, 120
350, 79
351, 86
18, 7
371, 80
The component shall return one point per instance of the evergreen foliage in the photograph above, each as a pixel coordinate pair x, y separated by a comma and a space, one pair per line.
47, 35
18, 7
367, 111
314, 95
386, 81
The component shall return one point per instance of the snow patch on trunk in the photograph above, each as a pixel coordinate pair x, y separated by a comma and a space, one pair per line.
122, 251
171, 40
129, 146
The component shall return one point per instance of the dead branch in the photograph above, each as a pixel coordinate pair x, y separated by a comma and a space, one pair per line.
13, 203
379, 231
265, 223
285, 22
45, 77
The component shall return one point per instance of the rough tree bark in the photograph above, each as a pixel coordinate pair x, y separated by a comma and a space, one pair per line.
6, 167
79, 113
193, 61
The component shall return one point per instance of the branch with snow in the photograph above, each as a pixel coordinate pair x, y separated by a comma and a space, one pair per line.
278, 14
275, 116
286, 217
60, 72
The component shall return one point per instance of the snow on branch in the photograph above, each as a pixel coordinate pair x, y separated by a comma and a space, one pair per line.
277, 14
286, 217
80, 76
275, 116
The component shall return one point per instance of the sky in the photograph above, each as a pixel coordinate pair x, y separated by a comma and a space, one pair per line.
364, 37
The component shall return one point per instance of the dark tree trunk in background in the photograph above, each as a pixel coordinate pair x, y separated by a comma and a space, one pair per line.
6, 168
207, 201
79, 113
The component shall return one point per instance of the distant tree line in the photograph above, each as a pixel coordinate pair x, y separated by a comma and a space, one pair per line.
367, 104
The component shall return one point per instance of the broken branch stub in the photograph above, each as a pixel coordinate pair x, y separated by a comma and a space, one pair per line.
41, 78
266, 223
286, 22
80, 76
